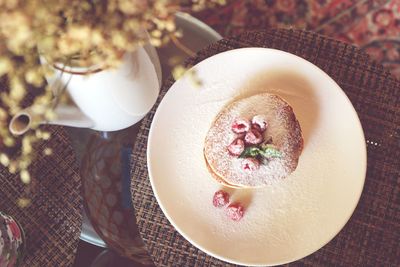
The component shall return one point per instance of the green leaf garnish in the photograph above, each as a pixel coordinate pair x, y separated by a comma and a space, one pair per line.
251, 151
267, 151
270, 151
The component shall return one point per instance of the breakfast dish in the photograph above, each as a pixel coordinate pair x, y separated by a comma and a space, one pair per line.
276, 220
253, 142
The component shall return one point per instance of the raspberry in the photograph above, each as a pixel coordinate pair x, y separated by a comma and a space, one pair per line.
250, 164
256, 127
240, 126
253, 137
220, 199
236, 147
235, 211
260, 121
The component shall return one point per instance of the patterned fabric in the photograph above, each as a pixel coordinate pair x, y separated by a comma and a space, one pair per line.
372, 25
371, 236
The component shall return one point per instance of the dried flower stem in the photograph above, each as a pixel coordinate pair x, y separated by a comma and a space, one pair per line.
74, 32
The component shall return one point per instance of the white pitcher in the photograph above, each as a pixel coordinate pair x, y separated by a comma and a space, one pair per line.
106, 100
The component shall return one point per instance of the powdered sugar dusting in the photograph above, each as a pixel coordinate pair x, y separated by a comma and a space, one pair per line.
283, 128
285, 220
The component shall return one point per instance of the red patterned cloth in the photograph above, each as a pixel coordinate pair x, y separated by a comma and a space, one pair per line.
373, 25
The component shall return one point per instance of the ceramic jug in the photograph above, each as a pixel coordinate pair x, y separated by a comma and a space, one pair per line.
104, 99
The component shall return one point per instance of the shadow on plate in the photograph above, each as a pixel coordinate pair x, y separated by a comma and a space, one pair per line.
292, 87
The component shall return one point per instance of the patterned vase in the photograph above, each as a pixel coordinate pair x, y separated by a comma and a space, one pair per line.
11, 241
106, 185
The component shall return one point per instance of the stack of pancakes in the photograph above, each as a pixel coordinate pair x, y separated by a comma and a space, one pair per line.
283, 131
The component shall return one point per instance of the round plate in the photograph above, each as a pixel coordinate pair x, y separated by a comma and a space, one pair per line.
287, 220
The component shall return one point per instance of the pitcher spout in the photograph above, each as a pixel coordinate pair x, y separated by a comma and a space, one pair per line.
65, 115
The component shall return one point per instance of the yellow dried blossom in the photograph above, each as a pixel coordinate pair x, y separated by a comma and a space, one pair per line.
34, 77
12, 168
5, 65
25, 177
74, 32
23, 202
155, 42
156, 33
24, 163
47, 151
9, 4
9, 141
3, 115
45, 135
4, 159
17, 89
26, 145
16, 25
178, 72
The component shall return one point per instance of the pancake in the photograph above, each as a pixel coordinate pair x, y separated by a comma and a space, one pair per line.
282, 133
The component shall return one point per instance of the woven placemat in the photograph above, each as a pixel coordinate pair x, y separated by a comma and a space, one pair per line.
52, 223
371, 237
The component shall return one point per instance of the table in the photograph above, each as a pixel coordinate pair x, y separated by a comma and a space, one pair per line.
364, 23
373, 27
371, 236
52, 222
375, 32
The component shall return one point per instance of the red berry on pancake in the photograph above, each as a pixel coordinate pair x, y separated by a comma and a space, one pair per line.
250, 164
253, 137
260, 121
236, 147
240, 125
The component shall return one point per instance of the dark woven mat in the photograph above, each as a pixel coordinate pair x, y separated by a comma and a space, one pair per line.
371, 237
52, 223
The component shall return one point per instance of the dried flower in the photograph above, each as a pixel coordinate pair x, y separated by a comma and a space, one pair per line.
23, 202
74, 32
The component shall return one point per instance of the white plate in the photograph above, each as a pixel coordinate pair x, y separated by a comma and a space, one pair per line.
283, 222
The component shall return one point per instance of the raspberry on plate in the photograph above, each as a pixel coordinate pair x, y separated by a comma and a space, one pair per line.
220, 199
235, 211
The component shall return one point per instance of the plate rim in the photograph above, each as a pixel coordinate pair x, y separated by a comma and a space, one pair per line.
363, 159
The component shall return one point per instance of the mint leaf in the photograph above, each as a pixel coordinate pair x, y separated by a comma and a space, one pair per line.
266, 151
250, 151
269, 151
